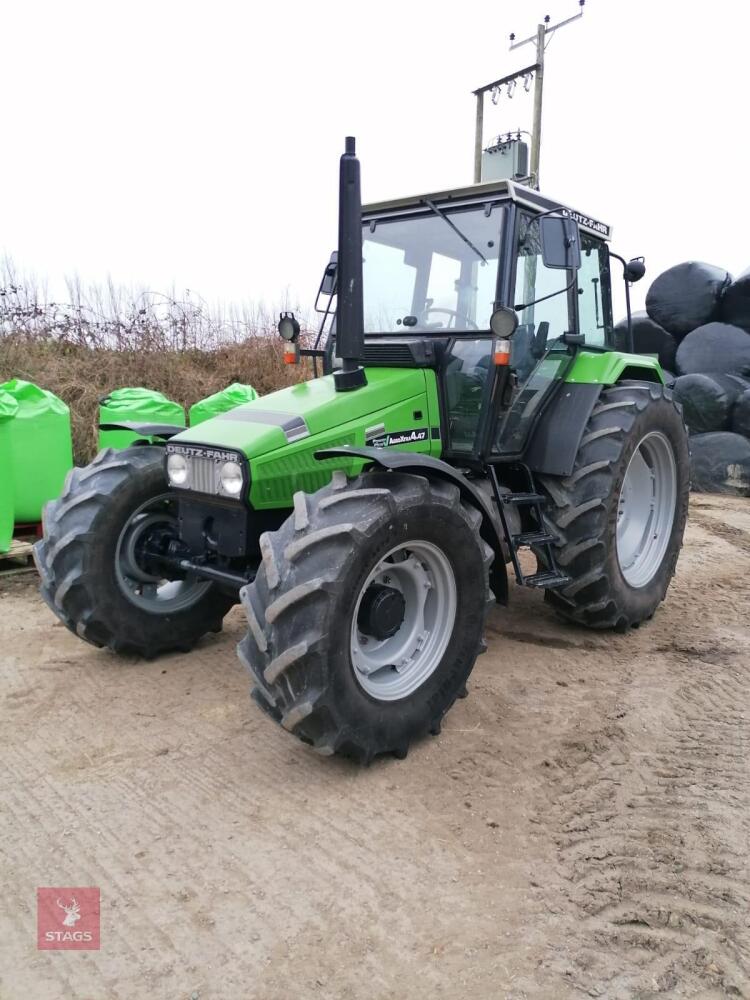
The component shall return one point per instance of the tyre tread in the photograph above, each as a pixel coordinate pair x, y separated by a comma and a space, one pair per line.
61, 556
578, 505
311, 553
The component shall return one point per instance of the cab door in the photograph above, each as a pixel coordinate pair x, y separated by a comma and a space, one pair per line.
539, 357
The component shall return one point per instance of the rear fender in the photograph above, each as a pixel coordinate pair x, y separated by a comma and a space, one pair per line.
556, 437
425, 465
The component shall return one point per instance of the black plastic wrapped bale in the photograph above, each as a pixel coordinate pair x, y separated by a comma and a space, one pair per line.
720, 463
741, 414
735, 305
648, 338
686, 296
708, 400
715, 347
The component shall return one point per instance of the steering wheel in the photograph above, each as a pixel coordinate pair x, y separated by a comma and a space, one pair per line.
452, 315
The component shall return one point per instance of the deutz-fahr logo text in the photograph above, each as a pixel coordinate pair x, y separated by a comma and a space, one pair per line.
589, 223
198, 451
399, 437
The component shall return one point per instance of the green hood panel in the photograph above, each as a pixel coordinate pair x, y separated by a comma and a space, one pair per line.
279, 433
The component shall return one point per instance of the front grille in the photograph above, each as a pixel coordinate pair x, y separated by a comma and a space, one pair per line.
204, 474
204, 465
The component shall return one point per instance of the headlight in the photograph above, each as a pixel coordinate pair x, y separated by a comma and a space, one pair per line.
230, 478
177, 469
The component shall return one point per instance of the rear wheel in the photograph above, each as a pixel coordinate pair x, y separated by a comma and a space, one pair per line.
367, 614
95, 575
620, 516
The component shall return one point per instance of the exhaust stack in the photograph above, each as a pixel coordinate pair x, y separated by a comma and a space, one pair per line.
350, 322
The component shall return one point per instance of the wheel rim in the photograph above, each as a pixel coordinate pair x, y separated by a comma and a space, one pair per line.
153, 593
646, 509
394, 667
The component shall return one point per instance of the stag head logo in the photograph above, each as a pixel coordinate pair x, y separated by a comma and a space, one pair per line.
68, 917
72, 912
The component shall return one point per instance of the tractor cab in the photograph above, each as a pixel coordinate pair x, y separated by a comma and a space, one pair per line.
437, 268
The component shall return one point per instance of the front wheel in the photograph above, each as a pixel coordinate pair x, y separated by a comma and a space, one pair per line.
95, 576
367, 614
620, 516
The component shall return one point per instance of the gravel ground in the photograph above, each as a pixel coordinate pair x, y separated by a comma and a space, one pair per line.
580, 827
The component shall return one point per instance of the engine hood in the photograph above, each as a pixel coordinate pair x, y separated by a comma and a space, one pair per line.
308, 409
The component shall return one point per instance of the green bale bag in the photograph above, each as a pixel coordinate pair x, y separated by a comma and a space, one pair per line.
135, 405
234, 395
41, 448
8, 410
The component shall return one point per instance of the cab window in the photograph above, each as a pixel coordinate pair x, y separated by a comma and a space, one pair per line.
594, 298
429, 273
540, 324
468, 365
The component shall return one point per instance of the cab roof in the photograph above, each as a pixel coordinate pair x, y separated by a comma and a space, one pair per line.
499, 190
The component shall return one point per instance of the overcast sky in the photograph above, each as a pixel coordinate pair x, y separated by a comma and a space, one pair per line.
167, 142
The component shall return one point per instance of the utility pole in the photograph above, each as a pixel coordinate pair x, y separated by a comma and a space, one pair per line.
535, 72
536, 128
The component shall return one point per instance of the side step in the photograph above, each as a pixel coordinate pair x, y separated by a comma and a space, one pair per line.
549, 578
534, 538
522, 498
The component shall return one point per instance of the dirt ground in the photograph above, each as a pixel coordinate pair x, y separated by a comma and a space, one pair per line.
581, 826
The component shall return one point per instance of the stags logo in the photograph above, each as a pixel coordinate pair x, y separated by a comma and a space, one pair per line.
67, 918
72, 912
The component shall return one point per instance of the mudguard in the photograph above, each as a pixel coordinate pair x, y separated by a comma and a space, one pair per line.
556, 438
425, 465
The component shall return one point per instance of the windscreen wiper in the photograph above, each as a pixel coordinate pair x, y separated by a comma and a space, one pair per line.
433, 207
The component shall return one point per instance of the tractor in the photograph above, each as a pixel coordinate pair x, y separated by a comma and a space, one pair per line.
471, 405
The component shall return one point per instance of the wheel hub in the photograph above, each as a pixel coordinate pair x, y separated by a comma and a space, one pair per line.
646, 508
381, 613
139, 579
138, 533
403, 620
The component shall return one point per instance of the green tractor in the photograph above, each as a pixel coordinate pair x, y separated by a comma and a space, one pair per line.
471, 405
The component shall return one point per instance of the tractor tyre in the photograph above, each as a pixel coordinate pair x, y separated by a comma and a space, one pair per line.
368, 611
619, 517
89, 565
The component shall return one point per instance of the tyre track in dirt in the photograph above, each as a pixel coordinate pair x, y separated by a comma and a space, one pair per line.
332, 869
652, 807
580, 827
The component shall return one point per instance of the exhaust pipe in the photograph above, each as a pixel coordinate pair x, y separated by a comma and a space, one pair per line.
350, 321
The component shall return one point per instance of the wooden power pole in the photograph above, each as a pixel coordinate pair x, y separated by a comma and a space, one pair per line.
535, 71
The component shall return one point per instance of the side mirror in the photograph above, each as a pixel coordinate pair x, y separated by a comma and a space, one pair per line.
561, 246
635, 269
328, 283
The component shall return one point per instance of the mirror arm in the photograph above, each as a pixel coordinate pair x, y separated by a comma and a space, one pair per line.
315, 348
624, 263
519, 308
563, 213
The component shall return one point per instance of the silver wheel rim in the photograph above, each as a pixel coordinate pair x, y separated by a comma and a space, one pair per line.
393, 668
155, 594
646, 508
